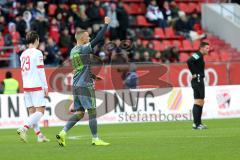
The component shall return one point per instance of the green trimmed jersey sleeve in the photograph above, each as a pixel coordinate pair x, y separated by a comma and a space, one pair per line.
80, 59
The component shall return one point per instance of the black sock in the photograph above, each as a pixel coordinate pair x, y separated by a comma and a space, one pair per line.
197, 112
200, 114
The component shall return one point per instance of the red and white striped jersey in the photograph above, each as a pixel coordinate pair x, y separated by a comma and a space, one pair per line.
33, 73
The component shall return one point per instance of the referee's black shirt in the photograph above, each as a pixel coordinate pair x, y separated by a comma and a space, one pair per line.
196, 64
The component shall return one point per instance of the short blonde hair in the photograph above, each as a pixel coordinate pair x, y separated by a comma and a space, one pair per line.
78, 34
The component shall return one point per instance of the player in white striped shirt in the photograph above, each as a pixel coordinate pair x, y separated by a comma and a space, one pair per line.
34, 86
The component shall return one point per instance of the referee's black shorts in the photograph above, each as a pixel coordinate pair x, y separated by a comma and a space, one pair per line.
198, 88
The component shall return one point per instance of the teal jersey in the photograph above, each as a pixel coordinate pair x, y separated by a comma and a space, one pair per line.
80, 58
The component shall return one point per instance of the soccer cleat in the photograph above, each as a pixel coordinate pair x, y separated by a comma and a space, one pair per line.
99, 142
42, 138
202, 126
61, 138
199, 127
23, 134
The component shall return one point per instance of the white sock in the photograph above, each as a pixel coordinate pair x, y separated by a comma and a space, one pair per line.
33, 119
37, 130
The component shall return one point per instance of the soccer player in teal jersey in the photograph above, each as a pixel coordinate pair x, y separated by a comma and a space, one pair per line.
83, 87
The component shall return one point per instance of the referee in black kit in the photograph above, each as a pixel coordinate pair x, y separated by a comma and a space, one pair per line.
196, 65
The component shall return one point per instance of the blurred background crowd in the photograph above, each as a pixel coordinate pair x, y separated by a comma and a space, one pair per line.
132, 33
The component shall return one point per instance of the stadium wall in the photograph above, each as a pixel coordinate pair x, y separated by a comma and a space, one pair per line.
129, 106
150, 76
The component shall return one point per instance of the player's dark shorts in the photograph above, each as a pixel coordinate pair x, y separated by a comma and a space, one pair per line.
198, 88
84, 98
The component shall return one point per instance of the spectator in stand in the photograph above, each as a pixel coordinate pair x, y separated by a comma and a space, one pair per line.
1, 40
61, 21
9, 84
195, 23
174, 9
54, 30
21, 26
193, 19
71, 25
95, 13
81, 19
138, 46
15, 36
154, 15
39, 12
157, 57
63, 10
167, 13
170, 55
114, 21
40, 23
27, 17
183, 27
84, 21
53, 56
150, 49
65, 40
122, 17
42, 47
147, 2
75, 12
2, 24
136, 57
146, 57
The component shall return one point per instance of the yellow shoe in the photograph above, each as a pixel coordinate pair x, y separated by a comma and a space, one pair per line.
99, 142
61, 138
42, 138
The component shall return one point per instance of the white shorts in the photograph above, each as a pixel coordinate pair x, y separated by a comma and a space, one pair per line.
34, 99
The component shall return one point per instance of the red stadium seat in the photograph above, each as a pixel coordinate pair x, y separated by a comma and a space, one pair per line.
183, 7
187, 45
136, 8
208, 58
158, 33
215, 56
192, 7
145, 42
133, 0
169, 32
183, 57
178, 44
157, 45
199, 7
142, 21
196, 45
166, 44
51, 9
225, 57
127, 8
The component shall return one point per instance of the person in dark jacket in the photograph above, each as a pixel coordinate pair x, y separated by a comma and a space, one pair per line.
122, 17
196, 66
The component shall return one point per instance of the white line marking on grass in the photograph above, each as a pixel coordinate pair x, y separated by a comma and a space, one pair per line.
77, 137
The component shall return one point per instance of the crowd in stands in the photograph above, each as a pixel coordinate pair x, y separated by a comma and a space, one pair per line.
56, 21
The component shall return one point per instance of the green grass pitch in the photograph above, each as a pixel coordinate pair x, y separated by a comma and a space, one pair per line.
139, 141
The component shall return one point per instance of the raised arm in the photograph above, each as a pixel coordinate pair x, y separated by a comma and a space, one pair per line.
100, 34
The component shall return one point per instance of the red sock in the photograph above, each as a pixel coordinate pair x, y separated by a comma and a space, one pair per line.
26, 126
